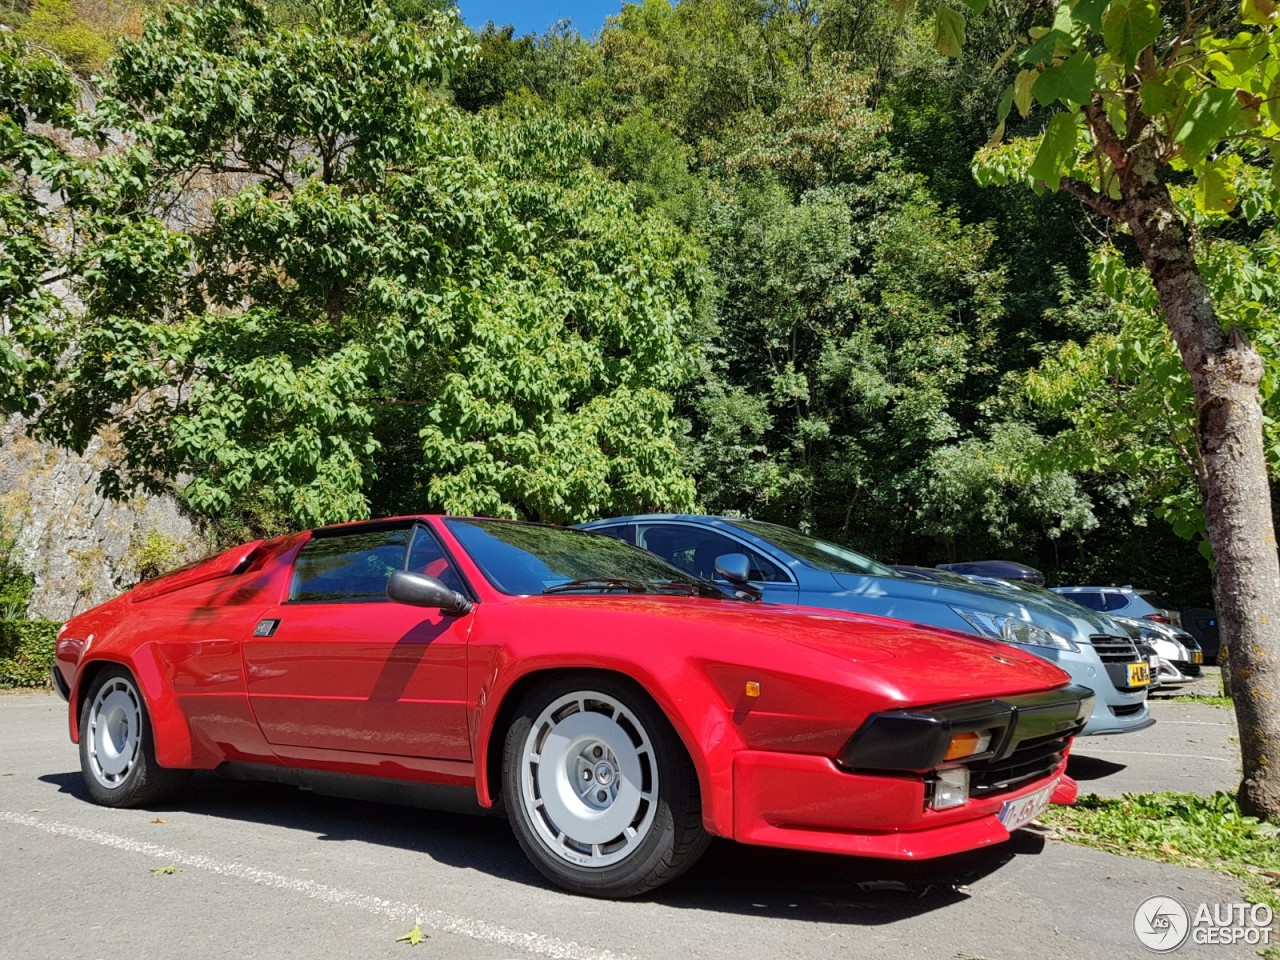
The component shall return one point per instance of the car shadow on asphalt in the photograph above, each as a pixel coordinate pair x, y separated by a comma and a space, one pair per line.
730, 877
1084, 768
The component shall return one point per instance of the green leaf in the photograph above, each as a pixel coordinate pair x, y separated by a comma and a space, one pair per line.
1156, 96
1215, 189
1045, 47
1070, 81
1129, 27
1089, 12
413, 937
1210, 116
164, 871
1022, 85
1002, 114
977, 6
948, 31
1056, 148
1259, 12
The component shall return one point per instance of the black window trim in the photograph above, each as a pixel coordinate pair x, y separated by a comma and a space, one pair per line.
728, 535
468, 590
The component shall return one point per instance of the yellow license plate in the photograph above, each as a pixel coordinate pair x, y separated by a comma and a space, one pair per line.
1197, 656
1139, 674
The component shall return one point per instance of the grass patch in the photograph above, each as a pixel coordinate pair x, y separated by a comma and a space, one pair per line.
1223, 702
1180, 828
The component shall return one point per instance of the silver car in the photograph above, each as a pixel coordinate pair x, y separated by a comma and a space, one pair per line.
1126, 601
1180, 654
782, 565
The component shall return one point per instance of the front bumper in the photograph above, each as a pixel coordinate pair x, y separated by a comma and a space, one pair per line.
59, 683
1114, 710
804, 802
875, 799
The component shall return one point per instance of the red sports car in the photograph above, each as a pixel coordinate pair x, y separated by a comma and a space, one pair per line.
621, 711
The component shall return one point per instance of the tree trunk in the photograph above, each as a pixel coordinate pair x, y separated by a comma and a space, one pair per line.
1225, 373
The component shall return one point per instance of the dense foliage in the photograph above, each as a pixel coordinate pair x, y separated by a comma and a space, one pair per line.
303, 281
727, 253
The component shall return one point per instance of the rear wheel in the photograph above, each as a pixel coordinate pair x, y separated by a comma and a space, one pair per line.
599, 790
117, 753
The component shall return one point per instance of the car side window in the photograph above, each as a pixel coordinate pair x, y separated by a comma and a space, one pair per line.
427, 556
694, 550
1115, 601
346, 568
1094, 601
626, 532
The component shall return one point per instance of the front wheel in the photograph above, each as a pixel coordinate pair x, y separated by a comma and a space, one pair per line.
117, 753
599, 790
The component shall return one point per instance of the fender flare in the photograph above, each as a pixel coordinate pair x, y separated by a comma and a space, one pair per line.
171, 734
705, 727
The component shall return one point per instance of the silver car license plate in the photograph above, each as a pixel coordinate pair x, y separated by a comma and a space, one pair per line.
1020, 812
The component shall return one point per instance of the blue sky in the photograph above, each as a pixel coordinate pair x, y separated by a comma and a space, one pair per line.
534, 16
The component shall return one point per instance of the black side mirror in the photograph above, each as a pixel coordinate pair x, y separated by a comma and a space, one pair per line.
734, 567
422, 591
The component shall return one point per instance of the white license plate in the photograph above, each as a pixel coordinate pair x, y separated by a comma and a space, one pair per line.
1020, 812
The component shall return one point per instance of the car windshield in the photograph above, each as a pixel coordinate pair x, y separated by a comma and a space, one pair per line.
530, 558
821, 554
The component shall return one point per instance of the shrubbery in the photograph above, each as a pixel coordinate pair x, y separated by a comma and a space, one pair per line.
26, 652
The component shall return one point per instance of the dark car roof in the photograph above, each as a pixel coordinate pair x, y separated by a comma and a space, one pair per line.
1000, 569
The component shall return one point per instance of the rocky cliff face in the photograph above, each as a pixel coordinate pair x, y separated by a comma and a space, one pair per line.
81, 548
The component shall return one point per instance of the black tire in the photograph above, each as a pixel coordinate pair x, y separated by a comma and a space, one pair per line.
117, 752
655, 774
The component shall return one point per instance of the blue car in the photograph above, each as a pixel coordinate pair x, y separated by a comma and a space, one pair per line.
782, 565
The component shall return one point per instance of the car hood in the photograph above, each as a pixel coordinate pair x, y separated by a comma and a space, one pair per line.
904, 660
1040, 607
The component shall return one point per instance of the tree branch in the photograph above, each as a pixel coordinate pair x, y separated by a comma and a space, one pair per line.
1096, 113
1092, 199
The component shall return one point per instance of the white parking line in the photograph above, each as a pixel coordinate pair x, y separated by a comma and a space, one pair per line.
405, 912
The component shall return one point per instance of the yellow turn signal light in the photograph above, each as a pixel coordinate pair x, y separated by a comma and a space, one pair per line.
753, 689
967, 744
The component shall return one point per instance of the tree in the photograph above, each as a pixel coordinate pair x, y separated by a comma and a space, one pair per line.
1124, 393
1159, 110
297, 275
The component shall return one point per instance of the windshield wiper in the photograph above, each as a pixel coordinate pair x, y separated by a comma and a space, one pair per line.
692, 589
603, 584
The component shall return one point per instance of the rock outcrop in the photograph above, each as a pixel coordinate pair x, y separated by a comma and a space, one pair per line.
80, 547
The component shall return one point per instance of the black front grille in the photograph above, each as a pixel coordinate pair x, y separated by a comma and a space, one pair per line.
1116, 653
1128, 709
1032, 760
1115, 649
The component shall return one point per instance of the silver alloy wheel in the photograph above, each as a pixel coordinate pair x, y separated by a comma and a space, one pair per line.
115, 732
589, 779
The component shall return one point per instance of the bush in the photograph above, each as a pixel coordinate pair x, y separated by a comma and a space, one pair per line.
26, 652
55, 24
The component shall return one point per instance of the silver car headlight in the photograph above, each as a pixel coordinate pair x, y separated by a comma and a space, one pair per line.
1009, 629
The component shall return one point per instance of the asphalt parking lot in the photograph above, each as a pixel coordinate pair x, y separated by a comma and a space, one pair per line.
242, 870
1192, 747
